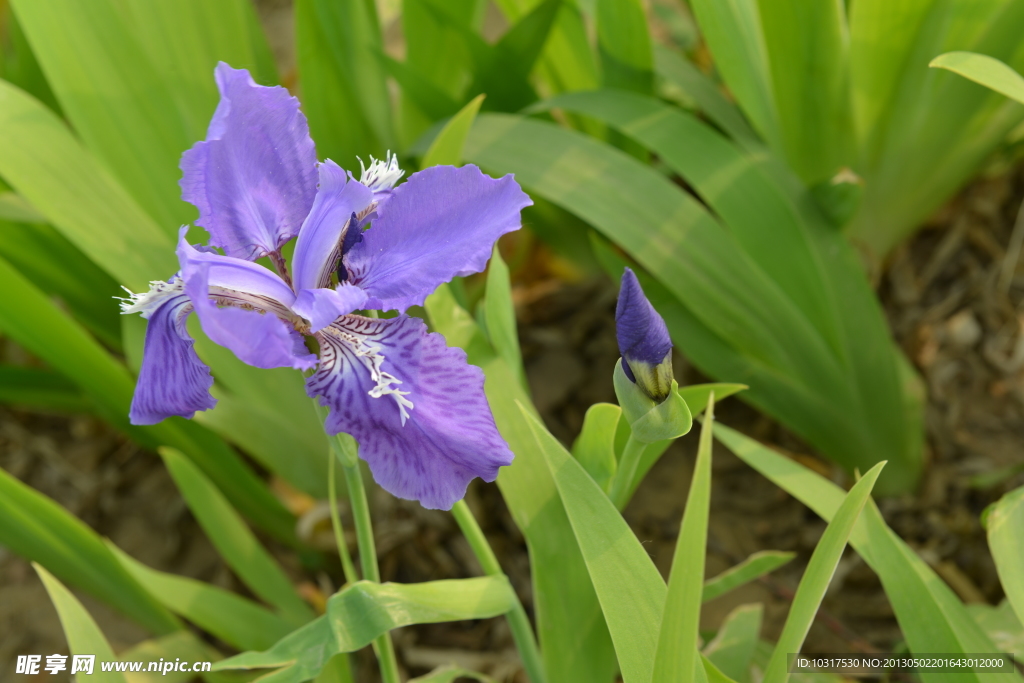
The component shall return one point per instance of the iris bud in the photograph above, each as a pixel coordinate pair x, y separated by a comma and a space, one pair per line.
647, 393
644, 343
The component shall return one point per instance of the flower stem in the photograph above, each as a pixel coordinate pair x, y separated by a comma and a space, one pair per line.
622, 482
339, 533
345, 451
522, 632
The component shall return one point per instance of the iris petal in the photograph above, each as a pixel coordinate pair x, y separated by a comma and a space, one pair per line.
441, 223
427, 451
172, 380
258, 338
318, 248
321, 307
254, 178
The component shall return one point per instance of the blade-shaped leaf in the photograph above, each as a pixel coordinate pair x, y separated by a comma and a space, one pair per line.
987, 71
500, 316
677, 655
733, 646
595, 446
573, 636
930, 615
733, 32
448, 674
446, 149
233, 539
1005, 525
818, 575
83, 635
182, 645
41, 390
226, 615
807, 45
631, 592
365, 610
624, 45
754, 567
40, 530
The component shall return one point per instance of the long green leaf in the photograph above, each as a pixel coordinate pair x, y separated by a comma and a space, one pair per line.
365, 610
985, 70
818, 575
733, 32
446, 149
930, 615
595, 446
1005, 525
573, 636
40, 530
183, 645
754, 567
733, 646
233, 539
40, 389
677, 655
226, 615
135, 80
807, 45
500, 316
83, 635
631, 592
448, 674
624, 45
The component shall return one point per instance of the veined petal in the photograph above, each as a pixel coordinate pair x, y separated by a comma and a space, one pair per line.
254, 178
441, 223
321, 307
414, 405
319, 245
172, 380
265, 288
257, 337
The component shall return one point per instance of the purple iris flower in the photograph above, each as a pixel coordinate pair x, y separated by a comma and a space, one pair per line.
644, 343
414, 405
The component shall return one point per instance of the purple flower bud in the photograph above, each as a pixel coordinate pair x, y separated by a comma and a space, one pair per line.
643, 340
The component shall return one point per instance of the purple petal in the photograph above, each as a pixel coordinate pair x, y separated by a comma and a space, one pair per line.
640, 330
172, 380
260, 339
449, 436
321, 307
228, 272
254, 178
319, 245
442, 223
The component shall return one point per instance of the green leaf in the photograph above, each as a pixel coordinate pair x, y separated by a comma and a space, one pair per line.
574, 638
41, 390
446, 149
434, 102
733, 646
624, 45
15, 209
47, 166
1001, 624
448, 674
336, 670
648, 420
500, 316
818, 575
342, 80
83, 635
733, 32
807, 44
40, 530
985, 70
135, 79
233, 539
698, 395
930, 615
631, 592
365, 610
754, 567
677, 655
595, 446
1005, 526
681, 73
229, 617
